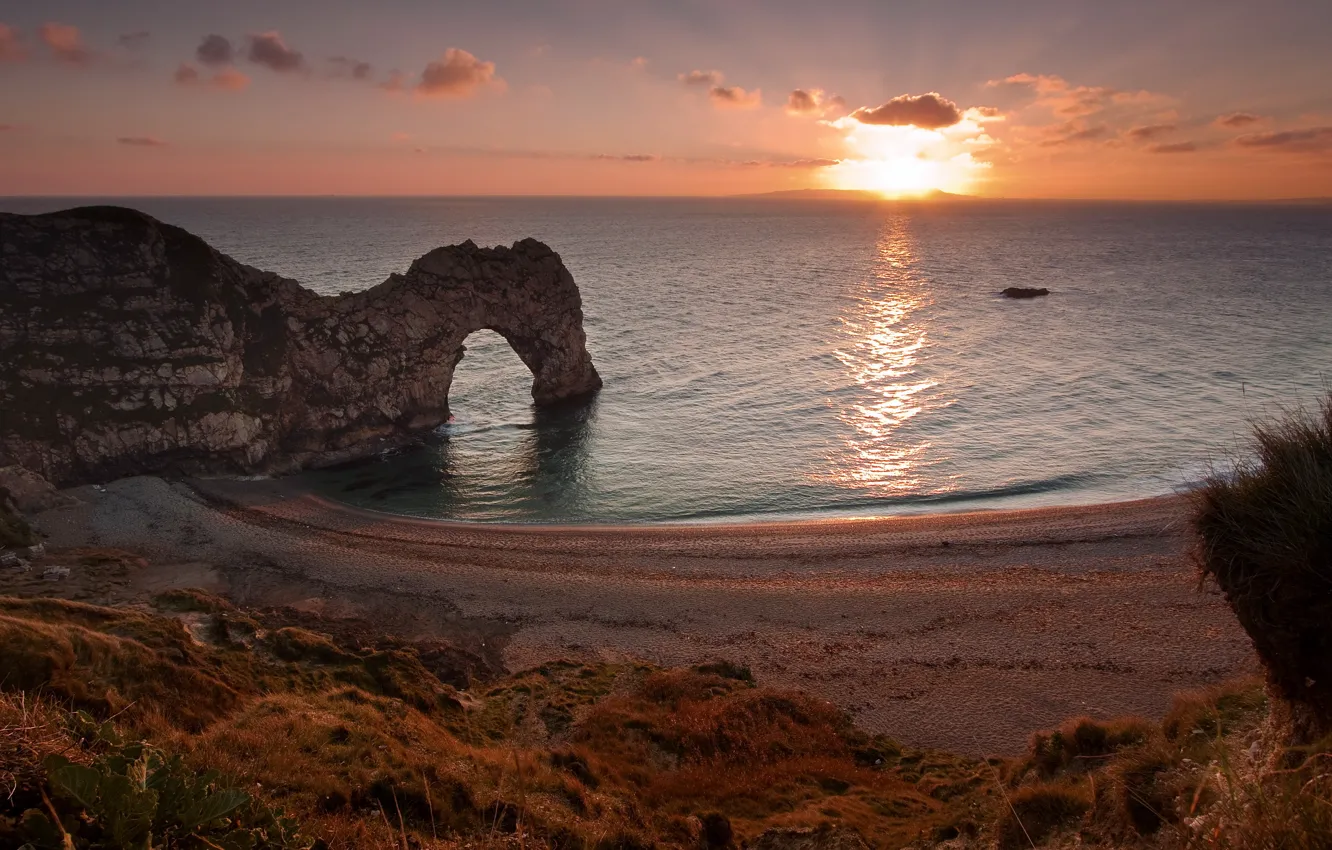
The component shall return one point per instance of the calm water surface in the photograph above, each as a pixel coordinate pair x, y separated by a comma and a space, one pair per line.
771, 359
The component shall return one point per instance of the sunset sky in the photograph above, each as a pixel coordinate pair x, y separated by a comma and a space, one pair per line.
1134, 99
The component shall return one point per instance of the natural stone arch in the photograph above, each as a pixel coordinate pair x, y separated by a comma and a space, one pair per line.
132, 346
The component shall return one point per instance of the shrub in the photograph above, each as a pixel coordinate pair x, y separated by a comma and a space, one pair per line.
1202, 716
1266, 539
1146, 793
14, 529
1080, 744
1036, 811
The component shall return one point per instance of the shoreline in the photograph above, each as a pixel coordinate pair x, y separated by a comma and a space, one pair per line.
258, 495
961, 630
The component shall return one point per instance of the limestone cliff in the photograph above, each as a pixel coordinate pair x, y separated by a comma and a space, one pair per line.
129, 346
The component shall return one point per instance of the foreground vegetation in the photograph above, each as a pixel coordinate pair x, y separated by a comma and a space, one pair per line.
197, 725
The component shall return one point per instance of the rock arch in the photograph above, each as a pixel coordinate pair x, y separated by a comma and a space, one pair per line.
128, 346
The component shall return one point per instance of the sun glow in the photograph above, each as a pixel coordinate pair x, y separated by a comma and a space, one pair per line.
903, 162
898, 177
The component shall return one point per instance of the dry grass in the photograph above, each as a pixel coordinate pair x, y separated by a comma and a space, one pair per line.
369, 748
1035, 812
1083, 744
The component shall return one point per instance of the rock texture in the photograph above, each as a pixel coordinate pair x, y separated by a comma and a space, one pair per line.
130, 346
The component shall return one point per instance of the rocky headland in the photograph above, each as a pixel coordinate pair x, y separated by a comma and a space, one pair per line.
130, 346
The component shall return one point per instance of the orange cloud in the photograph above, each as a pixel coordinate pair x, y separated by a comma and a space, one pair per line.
1307, 140
1149, 132
805, 163
227, 79
734, 97
1063, 98
268, 49
1236, 120
142, 141
230, 79
457, 74
1072, 132
930, 111
1174, 147
11, 45
702, 78
66, 43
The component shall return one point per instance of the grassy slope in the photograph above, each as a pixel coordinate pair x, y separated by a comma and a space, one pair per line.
368, 747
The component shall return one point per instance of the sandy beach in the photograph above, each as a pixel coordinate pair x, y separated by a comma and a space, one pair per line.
965, 631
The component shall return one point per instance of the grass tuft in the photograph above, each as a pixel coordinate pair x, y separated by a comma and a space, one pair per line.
1035, 812
1265, 535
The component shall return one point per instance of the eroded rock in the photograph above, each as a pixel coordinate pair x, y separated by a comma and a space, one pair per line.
130, 346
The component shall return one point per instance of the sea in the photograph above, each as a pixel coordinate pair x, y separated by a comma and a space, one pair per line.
776, 359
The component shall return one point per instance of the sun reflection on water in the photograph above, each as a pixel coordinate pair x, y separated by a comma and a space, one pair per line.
886, 336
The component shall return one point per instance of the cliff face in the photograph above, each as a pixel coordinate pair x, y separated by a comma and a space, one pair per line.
130, 346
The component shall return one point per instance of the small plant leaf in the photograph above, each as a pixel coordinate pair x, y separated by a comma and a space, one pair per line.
77, 783
213, 807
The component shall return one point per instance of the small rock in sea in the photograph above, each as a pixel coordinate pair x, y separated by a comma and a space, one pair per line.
36, 550
1024, 292
55, 573
9, 559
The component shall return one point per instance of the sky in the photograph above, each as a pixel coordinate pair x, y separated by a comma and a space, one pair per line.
1168, 99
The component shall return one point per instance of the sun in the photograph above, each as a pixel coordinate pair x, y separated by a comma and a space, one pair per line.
902, 162
898, 177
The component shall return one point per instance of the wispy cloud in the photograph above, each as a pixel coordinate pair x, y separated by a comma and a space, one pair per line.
344, 66
142, 141
1073, 132
734, 97
1064, 98
226, 79
66, 44
1147, 132
1173, 147
702, 78
11, 45
1306, 140
134, 40
1237, 120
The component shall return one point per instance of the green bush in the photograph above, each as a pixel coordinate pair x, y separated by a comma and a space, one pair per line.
1266, 539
